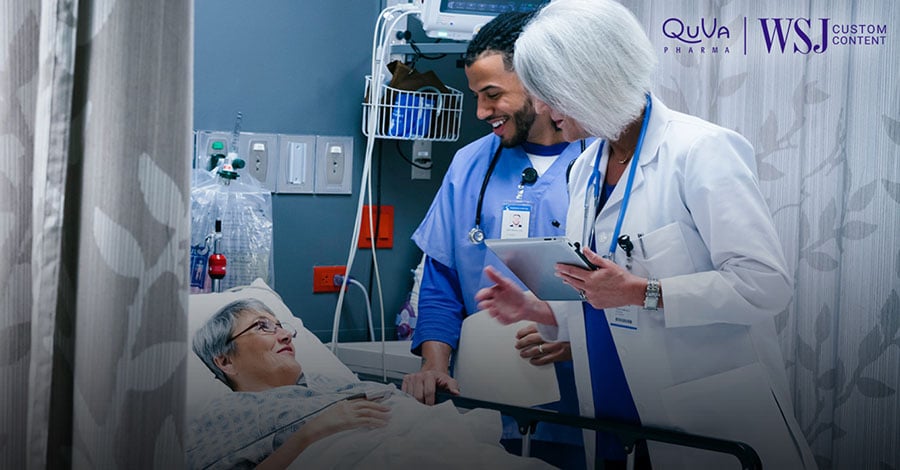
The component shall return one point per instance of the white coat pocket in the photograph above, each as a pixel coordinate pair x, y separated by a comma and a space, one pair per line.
666, 252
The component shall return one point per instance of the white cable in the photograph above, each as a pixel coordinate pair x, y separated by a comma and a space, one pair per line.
379, 42
368, 307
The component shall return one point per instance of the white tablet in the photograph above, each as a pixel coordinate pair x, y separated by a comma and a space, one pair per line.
533, 260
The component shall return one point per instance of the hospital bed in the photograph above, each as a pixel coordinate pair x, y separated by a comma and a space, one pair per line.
320, 366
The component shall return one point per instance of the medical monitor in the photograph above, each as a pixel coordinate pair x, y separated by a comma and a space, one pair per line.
461, 19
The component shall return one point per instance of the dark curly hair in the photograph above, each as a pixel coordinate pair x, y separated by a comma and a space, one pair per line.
499, 36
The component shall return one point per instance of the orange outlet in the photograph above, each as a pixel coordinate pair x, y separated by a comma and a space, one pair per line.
385, 217
323, 278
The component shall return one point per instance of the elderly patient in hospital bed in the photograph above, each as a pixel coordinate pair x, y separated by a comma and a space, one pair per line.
281, 413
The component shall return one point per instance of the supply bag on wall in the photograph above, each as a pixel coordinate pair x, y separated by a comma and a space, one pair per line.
411, 112
245, 209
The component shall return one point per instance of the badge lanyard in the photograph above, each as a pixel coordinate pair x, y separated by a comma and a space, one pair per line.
529, 176
592, 195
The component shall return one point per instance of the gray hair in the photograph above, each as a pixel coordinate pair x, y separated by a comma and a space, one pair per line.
588, 59
212, 339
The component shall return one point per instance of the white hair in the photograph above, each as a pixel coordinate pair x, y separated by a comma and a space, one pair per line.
590, 60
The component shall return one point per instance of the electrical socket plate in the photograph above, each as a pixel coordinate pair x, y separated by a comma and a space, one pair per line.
334, 164
421, 155
260, 154
297, 164
323, 278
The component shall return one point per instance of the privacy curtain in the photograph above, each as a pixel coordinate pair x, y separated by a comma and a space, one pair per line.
814, 87
95, 120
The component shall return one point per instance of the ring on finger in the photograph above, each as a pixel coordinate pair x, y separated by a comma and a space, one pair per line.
541, 348
581, 293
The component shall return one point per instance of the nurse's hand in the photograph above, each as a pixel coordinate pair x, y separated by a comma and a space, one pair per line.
608, 286
423, 385
539, 352
506, 302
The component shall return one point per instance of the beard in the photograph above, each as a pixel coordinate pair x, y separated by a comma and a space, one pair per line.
523, 119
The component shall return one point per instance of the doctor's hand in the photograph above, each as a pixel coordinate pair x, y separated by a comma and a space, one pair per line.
539, 352
508, 303
608, 286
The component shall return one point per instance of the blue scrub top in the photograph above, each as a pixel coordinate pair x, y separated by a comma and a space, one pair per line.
443, 234
454, 265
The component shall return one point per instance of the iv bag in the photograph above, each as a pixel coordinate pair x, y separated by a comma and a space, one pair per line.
245, 209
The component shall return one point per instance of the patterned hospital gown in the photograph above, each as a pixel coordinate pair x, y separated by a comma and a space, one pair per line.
241, 429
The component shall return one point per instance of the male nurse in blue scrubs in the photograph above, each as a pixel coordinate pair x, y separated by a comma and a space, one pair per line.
518, 172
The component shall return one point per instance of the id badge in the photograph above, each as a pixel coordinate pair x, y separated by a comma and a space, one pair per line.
623, 318
515, 220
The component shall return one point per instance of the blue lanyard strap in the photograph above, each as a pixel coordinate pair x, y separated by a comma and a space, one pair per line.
595, 176
634, 163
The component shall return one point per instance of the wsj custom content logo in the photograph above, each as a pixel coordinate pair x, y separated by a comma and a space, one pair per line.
799, 34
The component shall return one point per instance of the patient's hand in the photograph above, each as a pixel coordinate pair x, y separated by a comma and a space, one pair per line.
423, 384
349, 414
539, 352
343, 415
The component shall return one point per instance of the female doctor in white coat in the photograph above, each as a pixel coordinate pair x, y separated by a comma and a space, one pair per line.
676, 329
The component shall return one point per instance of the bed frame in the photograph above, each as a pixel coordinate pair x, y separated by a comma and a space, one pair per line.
629, 434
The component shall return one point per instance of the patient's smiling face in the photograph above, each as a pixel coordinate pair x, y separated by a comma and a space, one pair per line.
261, 360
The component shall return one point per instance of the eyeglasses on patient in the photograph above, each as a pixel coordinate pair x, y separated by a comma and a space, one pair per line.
266, 327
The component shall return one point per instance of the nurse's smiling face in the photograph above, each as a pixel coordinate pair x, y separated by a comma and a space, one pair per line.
502, 100
571, 129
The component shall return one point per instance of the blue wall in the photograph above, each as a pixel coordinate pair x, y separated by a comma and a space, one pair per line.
298, 67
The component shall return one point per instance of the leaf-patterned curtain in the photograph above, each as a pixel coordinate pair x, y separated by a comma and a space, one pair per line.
95, 126
823, 113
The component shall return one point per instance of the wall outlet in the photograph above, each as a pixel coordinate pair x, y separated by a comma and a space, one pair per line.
384, 216
334, 164
297, 164
323, 278
260, 154
421, 156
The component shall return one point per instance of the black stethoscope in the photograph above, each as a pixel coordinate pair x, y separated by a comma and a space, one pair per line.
529, 176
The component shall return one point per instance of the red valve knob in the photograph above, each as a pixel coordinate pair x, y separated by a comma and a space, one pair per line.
216, 266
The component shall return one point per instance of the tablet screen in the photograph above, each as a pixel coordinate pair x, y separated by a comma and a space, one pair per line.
533, 260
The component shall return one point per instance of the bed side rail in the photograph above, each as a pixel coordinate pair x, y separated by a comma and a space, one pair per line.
628, 433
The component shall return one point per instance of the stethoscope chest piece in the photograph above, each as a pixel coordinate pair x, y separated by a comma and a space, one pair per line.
476, 235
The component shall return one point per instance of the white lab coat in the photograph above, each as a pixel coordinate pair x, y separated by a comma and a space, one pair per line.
710, 362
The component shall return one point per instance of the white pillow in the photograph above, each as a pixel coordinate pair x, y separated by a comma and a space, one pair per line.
321, 368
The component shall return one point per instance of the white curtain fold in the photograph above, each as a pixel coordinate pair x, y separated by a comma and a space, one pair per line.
95, 143
826, 130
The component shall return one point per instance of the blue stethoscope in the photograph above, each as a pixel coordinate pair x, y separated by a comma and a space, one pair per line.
592, 195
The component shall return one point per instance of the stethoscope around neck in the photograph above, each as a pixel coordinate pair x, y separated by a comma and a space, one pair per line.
529, 176
591, 198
